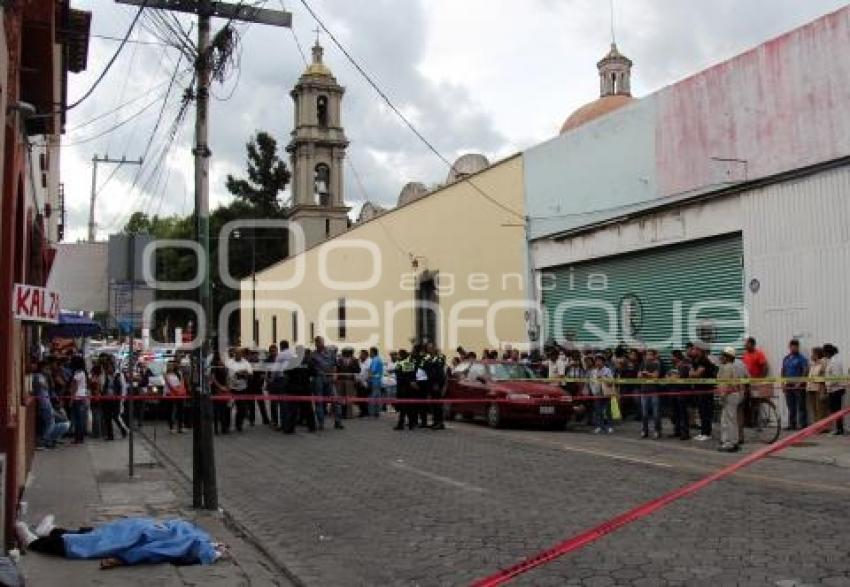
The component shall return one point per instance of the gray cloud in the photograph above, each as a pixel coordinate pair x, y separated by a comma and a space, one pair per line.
543, 75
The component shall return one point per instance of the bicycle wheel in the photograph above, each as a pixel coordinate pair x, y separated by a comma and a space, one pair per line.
766, 427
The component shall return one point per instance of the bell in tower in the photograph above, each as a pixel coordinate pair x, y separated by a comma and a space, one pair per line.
317, 152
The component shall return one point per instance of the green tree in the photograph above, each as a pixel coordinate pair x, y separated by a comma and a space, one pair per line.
267, 176
255, 198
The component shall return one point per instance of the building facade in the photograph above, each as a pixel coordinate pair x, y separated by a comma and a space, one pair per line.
40, 43
446, 266
713, 209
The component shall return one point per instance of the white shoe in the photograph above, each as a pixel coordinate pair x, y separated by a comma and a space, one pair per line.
610, 430
24, 534
45, 526
598, 431
701, 437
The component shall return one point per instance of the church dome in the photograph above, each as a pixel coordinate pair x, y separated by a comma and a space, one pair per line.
467, 165
368, 211
318, 67
411, 191
594, 110
615, 90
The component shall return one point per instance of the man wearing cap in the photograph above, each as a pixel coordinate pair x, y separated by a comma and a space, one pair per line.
795, 365
731, 395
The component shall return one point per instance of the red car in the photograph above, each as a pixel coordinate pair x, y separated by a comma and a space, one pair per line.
501, 392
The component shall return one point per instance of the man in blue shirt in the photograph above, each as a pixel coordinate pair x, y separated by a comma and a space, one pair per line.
376, 382
795, 365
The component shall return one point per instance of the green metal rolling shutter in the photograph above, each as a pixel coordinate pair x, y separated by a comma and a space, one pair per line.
661, 287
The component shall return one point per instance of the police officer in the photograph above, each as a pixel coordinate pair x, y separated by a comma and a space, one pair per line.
434, 364
405, 374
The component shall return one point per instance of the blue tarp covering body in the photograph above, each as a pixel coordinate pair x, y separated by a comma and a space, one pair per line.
141, 540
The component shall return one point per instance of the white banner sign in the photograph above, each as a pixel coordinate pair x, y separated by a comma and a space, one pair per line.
35, 304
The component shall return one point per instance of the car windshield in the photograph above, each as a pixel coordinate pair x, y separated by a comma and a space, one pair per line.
157, 368
510, 371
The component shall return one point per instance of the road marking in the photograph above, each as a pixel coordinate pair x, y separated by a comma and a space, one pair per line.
610, 455
399, 464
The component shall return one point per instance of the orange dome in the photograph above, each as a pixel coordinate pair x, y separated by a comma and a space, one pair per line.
594, 110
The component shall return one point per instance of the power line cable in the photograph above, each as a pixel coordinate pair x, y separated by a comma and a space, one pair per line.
111, 61
377, 218
94, 119
401, 115
295, 37
115, 127
130, 41
121, 97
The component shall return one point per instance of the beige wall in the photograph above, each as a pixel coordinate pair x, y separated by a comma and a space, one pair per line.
476, 246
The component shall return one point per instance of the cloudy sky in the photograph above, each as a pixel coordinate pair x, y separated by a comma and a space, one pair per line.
487, 76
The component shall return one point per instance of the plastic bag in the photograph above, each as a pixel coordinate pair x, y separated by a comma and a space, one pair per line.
616, 415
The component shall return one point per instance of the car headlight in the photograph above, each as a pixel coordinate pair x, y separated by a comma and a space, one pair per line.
519, 396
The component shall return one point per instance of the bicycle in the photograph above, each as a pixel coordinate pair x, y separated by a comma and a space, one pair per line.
760, 420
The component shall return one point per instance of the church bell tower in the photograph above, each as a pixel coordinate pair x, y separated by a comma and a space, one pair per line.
317, 153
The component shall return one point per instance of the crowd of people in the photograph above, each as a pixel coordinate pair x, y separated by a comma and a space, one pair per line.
596, 369
284, 387
67, 394
325, 382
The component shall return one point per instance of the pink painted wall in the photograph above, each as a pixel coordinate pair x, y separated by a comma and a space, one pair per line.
780, 106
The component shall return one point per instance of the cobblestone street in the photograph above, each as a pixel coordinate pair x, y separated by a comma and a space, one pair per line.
369, 506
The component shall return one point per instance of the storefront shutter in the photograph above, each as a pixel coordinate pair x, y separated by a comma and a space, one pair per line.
666, 296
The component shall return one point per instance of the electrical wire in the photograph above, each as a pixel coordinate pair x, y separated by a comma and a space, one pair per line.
130, 41
111, 61
121, 97
401, 115
115, 127
295, 37
145, 94
377, 218
137, 195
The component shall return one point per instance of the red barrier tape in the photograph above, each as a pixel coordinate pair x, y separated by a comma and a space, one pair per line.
581, 540
388, 400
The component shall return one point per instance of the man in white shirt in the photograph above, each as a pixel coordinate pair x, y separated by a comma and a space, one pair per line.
279, 382
239, 371
363, 381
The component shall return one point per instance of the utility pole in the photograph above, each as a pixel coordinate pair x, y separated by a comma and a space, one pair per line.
95, 160
204, 491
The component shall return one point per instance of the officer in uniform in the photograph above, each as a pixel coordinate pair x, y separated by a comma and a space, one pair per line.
405, 374
434, 364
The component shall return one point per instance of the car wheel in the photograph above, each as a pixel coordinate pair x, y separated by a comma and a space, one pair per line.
494, 416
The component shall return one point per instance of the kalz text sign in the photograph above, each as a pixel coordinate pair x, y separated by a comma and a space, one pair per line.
35, 304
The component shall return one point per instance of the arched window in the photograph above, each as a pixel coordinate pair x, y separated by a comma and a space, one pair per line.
322, 184
614, 83
322, 111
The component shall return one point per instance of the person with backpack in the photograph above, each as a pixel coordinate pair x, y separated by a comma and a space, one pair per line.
114, 392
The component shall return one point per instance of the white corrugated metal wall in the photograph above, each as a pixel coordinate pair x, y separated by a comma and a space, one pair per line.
797, 245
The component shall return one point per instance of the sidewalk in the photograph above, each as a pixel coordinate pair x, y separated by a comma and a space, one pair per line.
89, 484
822, 449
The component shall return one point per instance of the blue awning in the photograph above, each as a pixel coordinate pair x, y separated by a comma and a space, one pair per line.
74, 326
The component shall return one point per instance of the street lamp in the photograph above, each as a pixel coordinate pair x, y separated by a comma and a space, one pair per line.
255, 335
